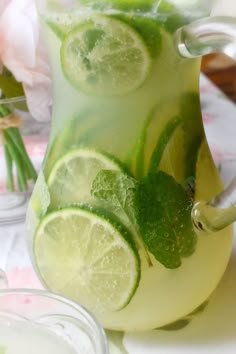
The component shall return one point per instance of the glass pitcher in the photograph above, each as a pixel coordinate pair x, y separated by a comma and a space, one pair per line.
110, 220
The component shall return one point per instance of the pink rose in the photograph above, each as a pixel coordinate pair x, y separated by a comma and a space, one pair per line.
23, 53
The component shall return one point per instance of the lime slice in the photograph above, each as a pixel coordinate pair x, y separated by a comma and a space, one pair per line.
105, 56
72, 176
87, 257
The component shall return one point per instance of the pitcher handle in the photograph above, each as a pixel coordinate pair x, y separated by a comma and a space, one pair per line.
208, 35
205, 36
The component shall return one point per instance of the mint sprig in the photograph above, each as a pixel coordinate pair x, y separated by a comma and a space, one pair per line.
118, 189
158, 208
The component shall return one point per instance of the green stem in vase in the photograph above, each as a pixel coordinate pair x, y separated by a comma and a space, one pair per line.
21, 177
9, 165
18, 141
16, 154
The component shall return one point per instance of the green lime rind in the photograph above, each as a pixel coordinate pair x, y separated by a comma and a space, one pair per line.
137, 5
135, 158
162, 143
82, 250
106, 57
140, 157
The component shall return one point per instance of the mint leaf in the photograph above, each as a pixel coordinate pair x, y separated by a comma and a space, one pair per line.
162, 143
117, 188
163, 213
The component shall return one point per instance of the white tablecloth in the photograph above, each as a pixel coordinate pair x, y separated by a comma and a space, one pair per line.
214, 330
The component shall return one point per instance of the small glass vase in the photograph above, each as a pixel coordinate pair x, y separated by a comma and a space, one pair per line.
17, 173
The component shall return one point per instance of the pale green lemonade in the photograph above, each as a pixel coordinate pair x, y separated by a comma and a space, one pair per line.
109, 220
23, 337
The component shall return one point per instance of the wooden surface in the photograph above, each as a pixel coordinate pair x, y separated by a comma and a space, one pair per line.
221, 70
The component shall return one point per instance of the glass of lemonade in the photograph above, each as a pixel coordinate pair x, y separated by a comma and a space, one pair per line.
33, 321
109, 222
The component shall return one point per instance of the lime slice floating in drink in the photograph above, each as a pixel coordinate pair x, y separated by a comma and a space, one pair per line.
105, 56
72, 176
87, 257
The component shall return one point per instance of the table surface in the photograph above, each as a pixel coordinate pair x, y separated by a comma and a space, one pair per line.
214, 331
221, 70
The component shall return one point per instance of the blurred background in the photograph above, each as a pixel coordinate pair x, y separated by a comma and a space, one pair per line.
221, 70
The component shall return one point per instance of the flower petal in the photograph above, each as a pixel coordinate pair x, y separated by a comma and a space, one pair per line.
39, 101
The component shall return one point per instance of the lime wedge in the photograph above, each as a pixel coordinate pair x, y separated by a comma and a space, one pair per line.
72, 176
40, 199
105, 56
87, 257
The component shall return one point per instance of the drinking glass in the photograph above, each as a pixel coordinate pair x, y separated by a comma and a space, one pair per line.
38, 321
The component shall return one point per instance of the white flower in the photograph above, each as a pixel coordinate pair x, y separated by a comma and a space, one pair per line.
23, 53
